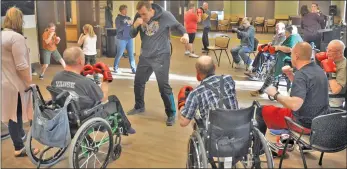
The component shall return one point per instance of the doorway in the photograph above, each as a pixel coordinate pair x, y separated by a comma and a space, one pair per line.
71, 21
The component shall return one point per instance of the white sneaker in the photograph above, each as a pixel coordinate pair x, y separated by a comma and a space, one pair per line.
239, 65
249, 67
193, 55
187, 53
34, 74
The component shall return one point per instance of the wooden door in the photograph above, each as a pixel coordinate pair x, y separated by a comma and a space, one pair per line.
88, 12
47, 12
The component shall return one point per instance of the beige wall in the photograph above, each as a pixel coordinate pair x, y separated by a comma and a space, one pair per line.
286, 8
237, 8
32, 44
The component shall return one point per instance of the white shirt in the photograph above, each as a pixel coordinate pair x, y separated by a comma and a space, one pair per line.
89, 45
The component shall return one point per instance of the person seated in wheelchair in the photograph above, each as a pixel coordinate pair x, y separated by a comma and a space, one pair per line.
334, 64
205, 96
264, 54
73, 79
282, 55
246, 35
308, 98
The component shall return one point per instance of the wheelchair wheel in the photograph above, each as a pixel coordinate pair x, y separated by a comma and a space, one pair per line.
261, 161
271, 98
4, 131
196, 152
92, 145
49, 158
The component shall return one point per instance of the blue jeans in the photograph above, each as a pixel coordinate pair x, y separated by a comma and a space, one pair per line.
122, 45
241, 51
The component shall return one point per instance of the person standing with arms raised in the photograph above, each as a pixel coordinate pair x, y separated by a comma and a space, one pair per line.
154, 25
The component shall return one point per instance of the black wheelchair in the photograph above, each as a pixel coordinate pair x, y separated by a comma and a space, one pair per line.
231, 135
92, 132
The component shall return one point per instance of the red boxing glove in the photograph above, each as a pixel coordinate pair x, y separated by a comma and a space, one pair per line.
260, 48
272, 50
104, 70
182, 95
266, 49
87, 70
330, 68
321, 56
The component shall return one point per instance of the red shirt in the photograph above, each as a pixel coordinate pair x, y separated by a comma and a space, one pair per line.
191, 21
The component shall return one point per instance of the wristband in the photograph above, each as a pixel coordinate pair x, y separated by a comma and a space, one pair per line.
275, 96
331, 76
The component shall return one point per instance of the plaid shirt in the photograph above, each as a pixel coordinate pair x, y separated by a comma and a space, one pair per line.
203, 99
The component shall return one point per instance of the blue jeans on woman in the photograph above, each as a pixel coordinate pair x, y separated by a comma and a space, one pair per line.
122, 45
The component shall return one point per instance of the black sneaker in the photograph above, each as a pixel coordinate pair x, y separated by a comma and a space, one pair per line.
170, 121
136, 111
41, 77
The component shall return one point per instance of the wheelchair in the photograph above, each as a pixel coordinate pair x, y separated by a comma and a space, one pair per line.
231, 135
92, 134
265, 67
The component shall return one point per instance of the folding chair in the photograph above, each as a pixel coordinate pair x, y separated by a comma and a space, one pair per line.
221, 44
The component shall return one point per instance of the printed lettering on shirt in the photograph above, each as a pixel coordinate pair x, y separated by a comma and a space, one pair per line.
65, 84
150, 29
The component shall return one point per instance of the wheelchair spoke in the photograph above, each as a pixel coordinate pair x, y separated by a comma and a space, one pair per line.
86, 161
101, 139
96, 132
97, 160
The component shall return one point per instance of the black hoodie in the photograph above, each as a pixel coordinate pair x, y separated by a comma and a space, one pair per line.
155, 36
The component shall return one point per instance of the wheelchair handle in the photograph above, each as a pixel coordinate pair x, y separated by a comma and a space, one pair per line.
30, 88
61, 95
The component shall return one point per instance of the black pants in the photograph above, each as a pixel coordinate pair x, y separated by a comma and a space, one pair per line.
205, 37
16, 129
91, 59
160, 65
110, 108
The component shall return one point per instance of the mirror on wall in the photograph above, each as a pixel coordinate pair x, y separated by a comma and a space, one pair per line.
27, 7
68, 11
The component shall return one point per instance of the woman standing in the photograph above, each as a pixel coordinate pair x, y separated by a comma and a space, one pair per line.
191, 19
123, 25
49, 44
88, 40
16, 77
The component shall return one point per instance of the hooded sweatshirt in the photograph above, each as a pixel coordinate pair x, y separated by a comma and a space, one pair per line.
123, 28
155, 36
247, 37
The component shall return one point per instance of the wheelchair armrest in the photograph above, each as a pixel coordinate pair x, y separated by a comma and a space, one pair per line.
199, 123
293, 126
97, 108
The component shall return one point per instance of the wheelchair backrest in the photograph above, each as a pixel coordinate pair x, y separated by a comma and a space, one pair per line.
229, 132
55, 91
329, 132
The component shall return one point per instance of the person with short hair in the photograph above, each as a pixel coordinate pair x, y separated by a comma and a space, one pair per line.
202, 98
49, 44
246, 35
206, 22
282, 53
308, 98
191, 19
73, 79
154, 25
16, 76
125, 41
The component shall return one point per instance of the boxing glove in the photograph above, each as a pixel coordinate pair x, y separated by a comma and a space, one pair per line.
182, 95
104, 70
321, 56
330, 68
272, 50
87, 70
261, 47
266, 49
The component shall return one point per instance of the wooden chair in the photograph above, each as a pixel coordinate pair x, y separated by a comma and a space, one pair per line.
223, 25
234, 20
270, 23
221, 44
259, 22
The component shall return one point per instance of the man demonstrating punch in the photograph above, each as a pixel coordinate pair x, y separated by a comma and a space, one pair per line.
334, 64
154, 25
203, 98
308, 98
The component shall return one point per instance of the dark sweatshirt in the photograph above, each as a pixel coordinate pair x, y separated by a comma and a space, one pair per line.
155, 36
311, 23
123, 28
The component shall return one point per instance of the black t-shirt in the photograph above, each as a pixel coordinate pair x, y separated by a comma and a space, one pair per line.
88, 92
311, 84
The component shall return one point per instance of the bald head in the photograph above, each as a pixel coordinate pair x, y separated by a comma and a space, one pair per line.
303, 50
205, 65
335, 49
72, 55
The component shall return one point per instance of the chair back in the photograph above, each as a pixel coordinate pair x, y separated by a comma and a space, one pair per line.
329, 132
259, 20
234, 19
271, 22
222, 41
214, 16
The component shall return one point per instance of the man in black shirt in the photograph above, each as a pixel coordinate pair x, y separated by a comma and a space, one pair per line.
308, 98
89, 93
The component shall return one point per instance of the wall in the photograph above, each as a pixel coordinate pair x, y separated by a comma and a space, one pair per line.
284, 9
238, 8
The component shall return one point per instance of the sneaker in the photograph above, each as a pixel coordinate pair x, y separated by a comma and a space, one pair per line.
278, 132
255, 93
249, 73
41, 77
193, 55
254, 78
239, 65
187, 53
131, 131
34, 74
136, 111
304, 148
170, 120
249, 67
117, 71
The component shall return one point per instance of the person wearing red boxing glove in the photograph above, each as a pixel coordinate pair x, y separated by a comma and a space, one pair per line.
89, 93
206, 96
104, 70
330, 68
321, 56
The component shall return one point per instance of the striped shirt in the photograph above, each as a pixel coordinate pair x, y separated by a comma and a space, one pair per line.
204, 99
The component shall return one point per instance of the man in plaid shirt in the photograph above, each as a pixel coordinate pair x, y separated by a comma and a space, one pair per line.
203, 98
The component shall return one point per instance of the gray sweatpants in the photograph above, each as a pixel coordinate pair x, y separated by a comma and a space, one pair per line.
160, 65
